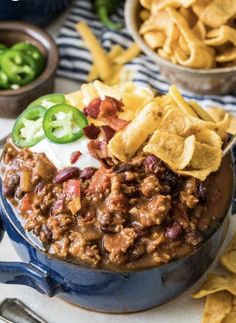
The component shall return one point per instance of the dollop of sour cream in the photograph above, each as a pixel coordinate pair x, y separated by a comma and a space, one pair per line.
60, 154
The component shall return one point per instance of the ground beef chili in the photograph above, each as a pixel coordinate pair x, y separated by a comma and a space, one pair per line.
120, 217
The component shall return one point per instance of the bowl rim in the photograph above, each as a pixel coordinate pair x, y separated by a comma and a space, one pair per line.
7, 207
48, 43
130, 8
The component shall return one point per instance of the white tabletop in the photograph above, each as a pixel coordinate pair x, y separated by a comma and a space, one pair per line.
181, 310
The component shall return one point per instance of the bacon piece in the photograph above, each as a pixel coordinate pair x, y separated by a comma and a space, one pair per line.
98, 149
75, 156
109, 107
115, 123
91, 131
92, 110
107, 133
100, 181
118, 104
106, 110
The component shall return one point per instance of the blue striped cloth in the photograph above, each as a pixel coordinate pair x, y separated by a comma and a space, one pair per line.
76, 61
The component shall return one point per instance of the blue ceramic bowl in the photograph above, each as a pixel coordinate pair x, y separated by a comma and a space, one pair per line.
38, 12
99, 290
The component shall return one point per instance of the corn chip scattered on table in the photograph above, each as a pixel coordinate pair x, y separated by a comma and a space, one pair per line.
220, 290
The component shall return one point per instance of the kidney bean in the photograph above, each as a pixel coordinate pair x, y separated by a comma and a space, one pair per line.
173, 231
154, 165
75, 156
39, 187
124, 168
202, 193
58, 207
173, 181
87, 172
10, 185
65, 174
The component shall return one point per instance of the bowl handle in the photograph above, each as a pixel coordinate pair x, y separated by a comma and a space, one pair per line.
21, 273
28, 274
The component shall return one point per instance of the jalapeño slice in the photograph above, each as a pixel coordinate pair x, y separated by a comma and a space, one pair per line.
19, 67
4, 80
3, 48
32, 51
49, 100
28, 128
64, 123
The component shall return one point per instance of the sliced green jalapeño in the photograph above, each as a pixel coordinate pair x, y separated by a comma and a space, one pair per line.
49, 100
28, 128
19, 67
4, 80
64, 123
32, 51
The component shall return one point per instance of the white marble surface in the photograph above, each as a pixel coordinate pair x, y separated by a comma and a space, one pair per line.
182, 310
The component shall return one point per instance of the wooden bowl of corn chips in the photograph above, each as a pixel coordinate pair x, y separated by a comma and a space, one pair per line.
192, 41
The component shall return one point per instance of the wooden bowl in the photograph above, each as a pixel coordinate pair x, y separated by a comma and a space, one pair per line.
12, 102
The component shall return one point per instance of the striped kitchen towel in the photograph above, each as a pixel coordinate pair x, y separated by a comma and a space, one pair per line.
76, 61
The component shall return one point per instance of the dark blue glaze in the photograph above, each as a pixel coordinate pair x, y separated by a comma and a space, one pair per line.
39, 12
97, 289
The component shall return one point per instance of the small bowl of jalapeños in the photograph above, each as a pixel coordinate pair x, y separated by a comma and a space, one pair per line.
28, 63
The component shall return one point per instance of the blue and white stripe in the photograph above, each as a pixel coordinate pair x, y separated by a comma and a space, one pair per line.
76, 61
